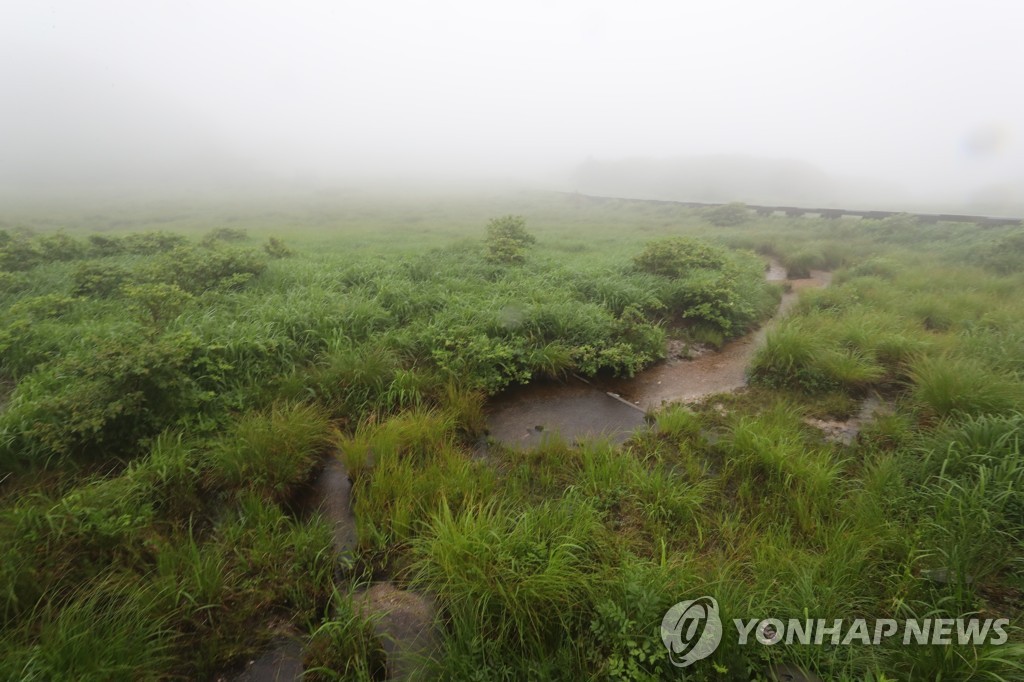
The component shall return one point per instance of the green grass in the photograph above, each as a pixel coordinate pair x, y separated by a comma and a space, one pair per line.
113, 629
344, 646
520, 575
947, 385
271, 452
166, 397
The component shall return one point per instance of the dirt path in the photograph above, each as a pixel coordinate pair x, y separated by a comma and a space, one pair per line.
332, 496
523, 416
404, 619
691, 380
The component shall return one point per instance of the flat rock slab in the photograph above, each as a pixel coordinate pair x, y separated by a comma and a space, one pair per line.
405, 627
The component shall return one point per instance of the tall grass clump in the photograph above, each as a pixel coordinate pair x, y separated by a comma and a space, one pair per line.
396, 496
772, 456
271, 452
345, 646
110, 629
407, 468
521, 576
417, 434
800, 263
948, 384
224, 586
788, 358
678, 422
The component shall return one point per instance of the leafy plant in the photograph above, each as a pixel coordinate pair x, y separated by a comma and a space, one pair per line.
507, 239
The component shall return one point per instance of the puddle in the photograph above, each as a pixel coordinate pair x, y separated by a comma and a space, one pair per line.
524, 416
846, 432
576, 409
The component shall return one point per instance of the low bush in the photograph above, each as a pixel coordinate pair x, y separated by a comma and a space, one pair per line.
507, 239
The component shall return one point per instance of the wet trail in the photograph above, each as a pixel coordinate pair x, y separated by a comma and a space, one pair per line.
524, 415
404, 619
714, 372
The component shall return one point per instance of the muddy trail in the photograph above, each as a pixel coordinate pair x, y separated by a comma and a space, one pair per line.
690, 380
525, 415
403, 619
522, 416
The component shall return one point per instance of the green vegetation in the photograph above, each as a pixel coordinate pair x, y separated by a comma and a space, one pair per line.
728, 215
507, 239
170, 384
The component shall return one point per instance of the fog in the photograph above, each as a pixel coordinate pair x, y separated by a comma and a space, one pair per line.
870, 102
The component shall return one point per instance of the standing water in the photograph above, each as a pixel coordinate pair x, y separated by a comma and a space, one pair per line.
524, 415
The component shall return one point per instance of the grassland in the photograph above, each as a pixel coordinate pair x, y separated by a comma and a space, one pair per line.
170, 379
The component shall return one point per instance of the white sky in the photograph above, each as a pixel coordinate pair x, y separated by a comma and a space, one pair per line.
928, 94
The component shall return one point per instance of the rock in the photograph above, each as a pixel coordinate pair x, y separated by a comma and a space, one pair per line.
405, 626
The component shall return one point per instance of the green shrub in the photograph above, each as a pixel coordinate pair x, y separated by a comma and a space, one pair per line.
157, 303
625, 626
196, 270
60, 246
507, 239
100, 280
151, 243
19, 253
275, 248
680, 256
101, 246
224, 234
101, 398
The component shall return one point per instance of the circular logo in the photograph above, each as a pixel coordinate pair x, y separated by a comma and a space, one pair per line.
691, 630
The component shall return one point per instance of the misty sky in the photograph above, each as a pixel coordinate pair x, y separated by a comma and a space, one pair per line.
924, 94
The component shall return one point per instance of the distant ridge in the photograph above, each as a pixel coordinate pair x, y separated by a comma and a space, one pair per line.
799, 211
